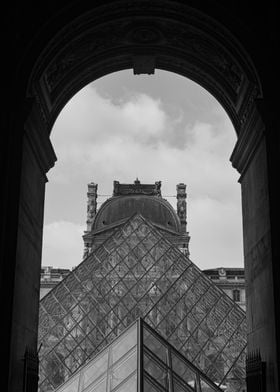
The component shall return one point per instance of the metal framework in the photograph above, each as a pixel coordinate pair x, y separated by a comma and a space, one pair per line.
135, 273
139, 360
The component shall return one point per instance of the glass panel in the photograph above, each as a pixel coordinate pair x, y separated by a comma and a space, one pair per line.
126, 342
95, 369
129, 386
72, 385
180, 367
100, 386
149, 387
205, 387
178, 387
155, 345
122, 370
158, 372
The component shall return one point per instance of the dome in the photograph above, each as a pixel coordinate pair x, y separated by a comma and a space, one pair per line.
131, 199
154, 208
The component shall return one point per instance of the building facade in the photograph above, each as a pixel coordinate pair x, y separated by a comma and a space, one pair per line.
50, 277
230, 280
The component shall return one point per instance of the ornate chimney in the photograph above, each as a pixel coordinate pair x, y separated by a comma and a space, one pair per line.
91, 204
91, 212
182, 206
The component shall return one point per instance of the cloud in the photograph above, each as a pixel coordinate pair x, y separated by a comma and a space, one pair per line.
99, 139
135, 137
88, 117
92, 119
62, 244
216, 233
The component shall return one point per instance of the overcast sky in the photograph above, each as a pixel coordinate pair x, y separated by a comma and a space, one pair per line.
161, 127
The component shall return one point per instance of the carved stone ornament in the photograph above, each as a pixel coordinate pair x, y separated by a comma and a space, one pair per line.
195, 42
160, 35
144, 35
137, 189
138, 34
79, 50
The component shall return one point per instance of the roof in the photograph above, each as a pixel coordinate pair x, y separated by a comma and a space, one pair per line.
154, 208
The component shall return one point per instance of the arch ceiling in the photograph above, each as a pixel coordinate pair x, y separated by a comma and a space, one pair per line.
145, 35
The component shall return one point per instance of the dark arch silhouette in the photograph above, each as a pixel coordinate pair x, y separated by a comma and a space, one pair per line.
54, 50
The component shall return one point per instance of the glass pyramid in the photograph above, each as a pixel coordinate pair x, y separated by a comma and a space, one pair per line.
135, 273
139, 359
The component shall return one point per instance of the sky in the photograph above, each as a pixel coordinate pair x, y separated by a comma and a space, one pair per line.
161, 127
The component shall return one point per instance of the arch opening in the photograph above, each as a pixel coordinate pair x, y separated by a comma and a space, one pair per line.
123, 126
135, 115
196, 46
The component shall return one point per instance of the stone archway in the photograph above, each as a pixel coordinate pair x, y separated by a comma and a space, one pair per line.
144, 35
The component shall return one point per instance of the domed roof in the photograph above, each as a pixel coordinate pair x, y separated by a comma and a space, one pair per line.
154, 208
129, 200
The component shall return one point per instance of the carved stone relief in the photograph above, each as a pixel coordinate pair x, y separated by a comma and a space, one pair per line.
188, 44
159, 36
78, 51
198, 44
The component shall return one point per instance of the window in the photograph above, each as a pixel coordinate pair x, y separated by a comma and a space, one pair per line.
236, 295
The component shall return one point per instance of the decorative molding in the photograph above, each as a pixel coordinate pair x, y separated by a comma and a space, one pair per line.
213, 53
38, 138
249, 139
248, 103
137, 189
144, 34
79, 50
159, 35
164, 34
